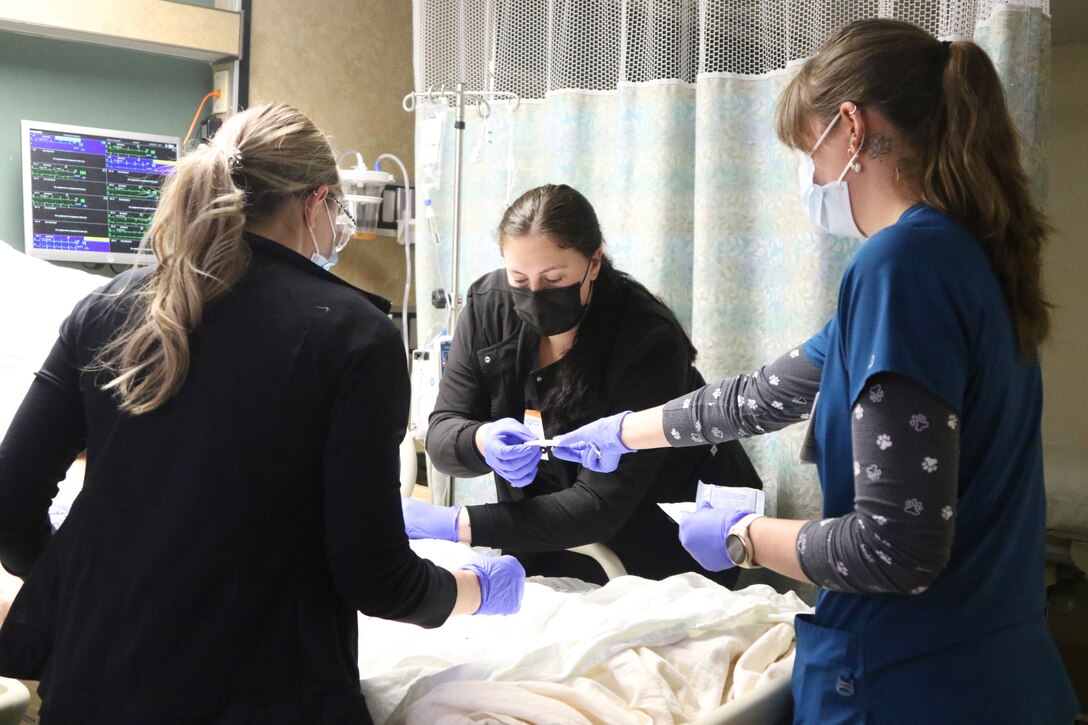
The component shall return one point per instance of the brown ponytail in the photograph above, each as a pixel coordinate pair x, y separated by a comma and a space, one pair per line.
258, 159
975, 176
959, 146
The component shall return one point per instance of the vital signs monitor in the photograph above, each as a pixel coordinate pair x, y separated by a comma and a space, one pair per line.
89, 193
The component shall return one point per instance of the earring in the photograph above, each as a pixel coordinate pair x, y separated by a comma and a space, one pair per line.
855, 164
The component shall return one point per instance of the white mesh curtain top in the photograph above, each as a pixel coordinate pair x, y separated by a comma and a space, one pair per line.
532, 47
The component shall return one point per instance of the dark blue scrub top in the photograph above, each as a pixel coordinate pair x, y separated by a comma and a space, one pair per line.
920, 299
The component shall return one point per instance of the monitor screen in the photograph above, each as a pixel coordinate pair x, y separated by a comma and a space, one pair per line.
89, 193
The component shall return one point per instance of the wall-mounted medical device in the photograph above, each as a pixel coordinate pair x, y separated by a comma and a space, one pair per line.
89, 193
364, 191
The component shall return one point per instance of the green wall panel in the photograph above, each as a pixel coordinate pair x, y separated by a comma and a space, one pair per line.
86, 85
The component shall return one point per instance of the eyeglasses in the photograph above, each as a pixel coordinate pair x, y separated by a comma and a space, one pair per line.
343, 228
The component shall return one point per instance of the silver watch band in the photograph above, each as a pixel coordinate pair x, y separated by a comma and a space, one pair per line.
739, 533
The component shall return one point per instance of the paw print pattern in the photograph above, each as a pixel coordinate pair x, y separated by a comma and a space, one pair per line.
876, 393
857, 468
858, 412
687, 403
699, 426
841, 569
880, 520
777, 404
913, 507
873, 472
773, 380
929, 465
795, 353
751, 403
696, 438
717, 393
740, 400
805, 416
675, 434
717, 433
883, 557
919, 422
884, 441
868, 554
953, 421
946, 513
802, 543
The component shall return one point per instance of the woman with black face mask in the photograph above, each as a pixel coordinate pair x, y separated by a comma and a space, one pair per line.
555, 339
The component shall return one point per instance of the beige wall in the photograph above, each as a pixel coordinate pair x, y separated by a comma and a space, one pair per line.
1065, 359
347, 64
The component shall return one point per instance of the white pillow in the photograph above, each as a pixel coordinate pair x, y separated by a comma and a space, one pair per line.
35, 297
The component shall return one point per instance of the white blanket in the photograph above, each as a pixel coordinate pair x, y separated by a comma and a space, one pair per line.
634, 650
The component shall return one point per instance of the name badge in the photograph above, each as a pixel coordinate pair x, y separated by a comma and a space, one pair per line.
534, 421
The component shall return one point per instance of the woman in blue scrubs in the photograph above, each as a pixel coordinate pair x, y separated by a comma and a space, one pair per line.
931, 551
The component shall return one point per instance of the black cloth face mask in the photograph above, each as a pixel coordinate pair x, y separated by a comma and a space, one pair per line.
551, 311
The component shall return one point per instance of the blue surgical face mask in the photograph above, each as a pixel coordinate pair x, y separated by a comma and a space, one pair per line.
828, 205
326, 263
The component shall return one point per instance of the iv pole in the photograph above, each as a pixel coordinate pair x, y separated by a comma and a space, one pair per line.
459, 96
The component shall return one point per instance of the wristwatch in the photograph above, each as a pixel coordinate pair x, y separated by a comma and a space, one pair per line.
738, 544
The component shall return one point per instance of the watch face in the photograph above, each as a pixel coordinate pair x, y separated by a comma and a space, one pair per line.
735, 548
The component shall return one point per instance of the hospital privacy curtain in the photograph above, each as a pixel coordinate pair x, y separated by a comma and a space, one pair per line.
661, 112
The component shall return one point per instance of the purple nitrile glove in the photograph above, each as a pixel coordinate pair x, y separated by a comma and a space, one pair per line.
703, 535
597, 445
506, 451
502, 583
424, 520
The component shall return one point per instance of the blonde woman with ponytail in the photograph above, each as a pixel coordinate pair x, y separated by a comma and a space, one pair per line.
930, 552
241, 410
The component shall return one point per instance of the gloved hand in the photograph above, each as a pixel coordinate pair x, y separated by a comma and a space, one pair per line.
502, 583
597, 445
508, 455
703, 535
424, 520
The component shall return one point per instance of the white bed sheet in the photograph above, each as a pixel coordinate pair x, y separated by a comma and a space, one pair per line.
634, 650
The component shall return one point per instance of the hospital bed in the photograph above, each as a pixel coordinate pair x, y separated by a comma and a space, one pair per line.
14, 698
634, 650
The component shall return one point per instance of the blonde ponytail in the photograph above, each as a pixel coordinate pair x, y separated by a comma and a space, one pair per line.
258, 160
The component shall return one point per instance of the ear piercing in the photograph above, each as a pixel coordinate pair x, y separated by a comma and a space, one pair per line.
855, 164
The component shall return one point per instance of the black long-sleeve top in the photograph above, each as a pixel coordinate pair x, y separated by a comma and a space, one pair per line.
492, 372
212, 566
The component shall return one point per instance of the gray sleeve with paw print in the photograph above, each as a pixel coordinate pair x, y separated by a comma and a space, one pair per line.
906, 469
768, 399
